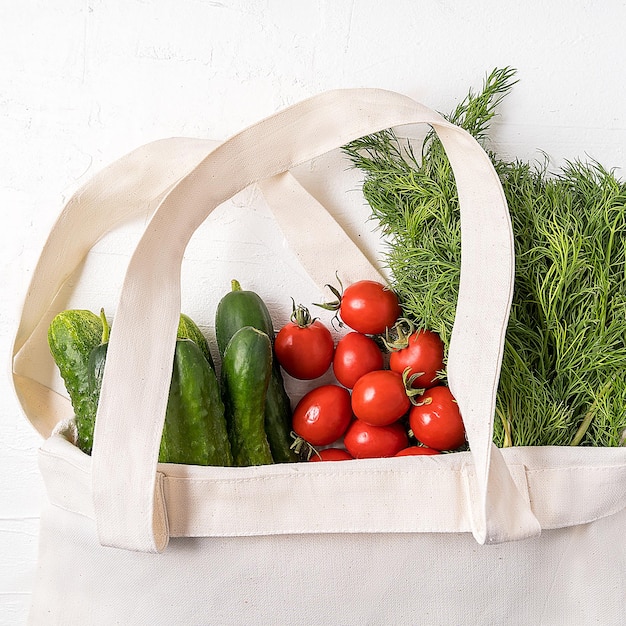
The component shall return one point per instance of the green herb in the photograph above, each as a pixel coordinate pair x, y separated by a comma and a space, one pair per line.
563, 378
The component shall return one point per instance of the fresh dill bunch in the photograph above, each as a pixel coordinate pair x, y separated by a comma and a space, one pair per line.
568, 321
563, 377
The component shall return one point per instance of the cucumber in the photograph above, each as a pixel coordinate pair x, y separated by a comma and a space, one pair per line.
187, 329
72, 336
246, 373
194, 431
238, 309
278, 419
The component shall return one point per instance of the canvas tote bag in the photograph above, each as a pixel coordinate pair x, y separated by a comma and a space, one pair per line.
512, 536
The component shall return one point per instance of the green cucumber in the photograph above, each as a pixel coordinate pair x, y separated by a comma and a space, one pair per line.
194, 431
278, 419
246, 373
72, 336
188, 329
240, 308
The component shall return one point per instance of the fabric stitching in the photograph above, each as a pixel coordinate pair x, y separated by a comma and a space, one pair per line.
303, 476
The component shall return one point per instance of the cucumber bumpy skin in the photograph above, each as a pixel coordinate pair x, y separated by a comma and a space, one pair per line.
194, 431
240, 308
246, 372
188, 329
72, 336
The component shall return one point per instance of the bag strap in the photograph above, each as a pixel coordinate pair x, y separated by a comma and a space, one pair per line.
130, 187
129, 505
318, 241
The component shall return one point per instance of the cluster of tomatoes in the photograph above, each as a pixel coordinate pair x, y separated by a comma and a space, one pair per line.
384, 398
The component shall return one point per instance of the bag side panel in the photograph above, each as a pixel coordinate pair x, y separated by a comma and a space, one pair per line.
566, 576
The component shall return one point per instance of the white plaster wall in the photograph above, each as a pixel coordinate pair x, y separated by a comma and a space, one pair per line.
84, 81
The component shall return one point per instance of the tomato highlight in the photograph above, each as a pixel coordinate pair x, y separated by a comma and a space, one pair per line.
436, 420
379, 398
304, 347
423, 355
369, 307
323, 415
355, 355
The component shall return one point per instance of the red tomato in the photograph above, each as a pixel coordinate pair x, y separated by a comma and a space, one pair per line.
423, 355
323, 415
417, 451
436, 420
304, 352
355, 355
369, 307
331, 454
379, 398
364, 441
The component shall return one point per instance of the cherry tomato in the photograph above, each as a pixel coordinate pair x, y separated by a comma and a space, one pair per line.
436, 420
304, 347
331, 454
369, 307
379, 398
323, 415
364, 441
423, 355
417, 451
356, 354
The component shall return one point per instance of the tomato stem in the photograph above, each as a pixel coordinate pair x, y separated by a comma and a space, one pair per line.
412, 392
397, 337
302, 447
301, 316
333, 305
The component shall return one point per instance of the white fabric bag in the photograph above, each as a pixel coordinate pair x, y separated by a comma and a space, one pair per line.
515, 536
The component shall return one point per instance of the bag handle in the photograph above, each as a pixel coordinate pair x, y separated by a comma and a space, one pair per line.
130, 513
111, 197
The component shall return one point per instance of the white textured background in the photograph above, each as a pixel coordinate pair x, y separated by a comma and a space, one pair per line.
84, 81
